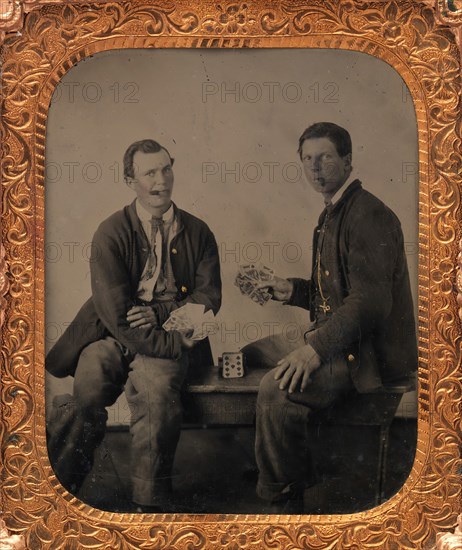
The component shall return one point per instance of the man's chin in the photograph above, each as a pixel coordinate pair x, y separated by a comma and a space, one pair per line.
159, 202
161, 196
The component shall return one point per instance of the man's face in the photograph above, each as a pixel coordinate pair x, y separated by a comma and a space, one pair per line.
153, 180
324, 168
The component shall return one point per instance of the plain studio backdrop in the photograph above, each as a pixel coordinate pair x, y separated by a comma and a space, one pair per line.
231, 119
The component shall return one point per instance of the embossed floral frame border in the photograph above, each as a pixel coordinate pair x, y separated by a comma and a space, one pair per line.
419, 40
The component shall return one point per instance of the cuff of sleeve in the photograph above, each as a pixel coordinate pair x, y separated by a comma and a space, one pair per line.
313, 340
290, 301
300, 293
162, 311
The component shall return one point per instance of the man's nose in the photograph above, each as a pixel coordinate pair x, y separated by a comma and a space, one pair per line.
159, 178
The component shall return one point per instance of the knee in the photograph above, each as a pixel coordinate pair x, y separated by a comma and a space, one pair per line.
95, 376
98, 358
153, 380
269, 392
153, 391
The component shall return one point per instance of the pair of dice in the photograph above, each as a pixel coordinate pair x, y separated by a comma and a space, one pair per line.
232, 364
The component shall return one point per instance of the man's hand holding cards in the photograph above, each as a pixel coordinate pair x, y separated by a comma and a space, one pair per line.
280, 289
191, 321
253, 280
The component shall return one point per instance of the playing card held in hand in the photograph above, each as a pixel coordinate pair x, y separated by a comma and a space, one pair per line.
191, 320
249, 276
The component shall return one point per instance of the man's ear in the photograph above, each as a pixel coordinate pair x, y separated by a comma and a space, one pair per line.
347, 160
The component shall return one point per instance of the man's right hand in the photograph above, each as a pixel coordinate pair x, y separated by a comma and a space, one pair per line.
281, 289
141, 317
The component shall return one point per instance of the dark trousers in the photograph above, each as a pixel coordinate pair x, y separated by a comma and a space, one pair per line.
281, 445
152, 387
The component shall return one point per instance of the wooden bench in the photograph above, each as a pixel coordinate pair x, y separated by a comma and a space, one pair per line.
213, 400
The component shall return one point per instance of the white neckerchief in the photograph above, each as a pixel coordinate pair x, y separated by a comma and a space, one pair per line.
146, 286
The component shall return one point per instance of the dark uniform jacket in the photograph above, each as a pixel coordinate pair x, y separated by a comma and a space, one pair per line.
363, 272
119, 252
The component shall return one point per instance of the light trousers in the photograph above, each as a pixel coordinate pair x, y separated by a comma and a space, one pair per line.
152, 387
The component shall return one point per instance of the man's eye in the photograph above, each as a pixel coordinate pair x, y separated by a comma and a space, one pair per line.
151, 173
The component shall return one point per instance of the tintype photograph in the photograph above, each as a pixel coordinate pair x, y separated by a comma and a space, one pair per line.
230, 274
231, 252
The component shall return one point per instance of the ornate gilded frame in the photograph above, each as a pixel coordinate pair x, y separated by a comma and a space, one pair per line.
420, 40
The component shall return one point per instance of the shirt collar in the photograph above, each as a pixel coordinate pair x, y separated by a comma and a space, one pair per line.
146, 216
351, 188
338, 195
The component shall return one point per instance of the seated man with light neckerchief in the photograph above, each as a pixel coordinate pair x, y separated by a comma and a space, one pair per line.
147, 260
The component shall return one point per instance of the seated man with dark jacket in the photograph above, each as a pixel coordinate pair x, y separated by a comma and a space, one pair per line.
147, 260
359, 298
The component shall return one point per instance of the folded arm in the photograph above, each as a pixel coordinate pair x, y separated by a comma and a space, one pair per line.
113, 297
139, 328
206, 291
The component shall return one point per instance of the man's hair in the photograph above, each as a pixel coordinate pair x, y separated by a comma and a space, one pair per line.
338, 135
143, 146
